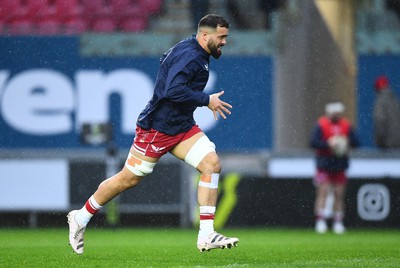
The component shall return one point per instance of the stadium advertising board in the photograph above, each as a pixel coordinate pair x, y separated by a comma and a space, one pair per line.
48, 90
285, 196
289, 202
39, 185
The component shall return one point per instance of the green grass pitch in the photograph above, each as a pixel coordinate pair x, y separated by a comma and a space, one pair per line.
177, 248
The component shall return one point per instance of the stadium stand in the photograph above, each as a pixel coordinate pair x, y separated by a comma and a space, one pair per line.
135, 24
377, 29
104, 25
19, 27
48, 27
52, 17
104, 16
75, 26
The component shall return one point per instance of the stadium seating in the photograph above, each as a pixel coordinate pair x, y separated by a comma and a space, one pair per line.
151, 6
96, 9
75, 26
20, 27
104, 25
41, 10
2, 26
135, 24
15, 10
7, 9
48, 27
127, 14
75, 16
69, 10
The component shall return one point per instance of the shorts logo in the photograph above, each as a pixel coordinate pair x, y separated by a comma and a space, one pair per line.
373, 202
157, 149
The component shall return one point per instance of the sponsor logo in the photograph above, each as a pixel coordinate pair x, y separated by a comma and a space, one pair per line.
157, 149
373, 202
46, 102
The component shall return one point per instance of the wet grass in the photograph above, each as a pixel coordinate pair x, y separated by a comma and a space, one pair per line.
177, 248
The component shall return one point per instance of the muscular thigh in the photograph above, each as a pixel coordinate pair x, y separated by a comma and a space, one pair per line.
143, 157
181, 149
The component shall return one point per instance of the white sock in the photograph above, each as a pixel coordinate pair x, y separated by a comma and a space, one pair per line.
87, 211
338, 216
207, 214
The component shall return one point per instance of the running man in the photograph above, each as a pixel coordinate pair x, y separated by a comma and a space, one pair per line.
166, 125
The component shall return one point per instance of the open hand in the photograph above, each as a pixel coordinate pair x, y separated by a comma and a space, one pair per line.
218, 106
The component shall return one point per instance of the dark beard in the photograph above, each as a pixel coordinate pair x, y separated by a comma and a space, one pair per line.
214, 50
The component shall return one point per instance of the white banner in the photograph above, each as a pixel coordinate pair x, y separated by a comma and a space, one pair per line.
34, 185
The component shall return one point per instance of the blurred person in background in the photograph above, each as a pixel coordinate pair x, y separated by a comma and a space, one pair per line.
167, 125
386, 115
331, 138
268, 7
253, 14
239, 11
395, 6
198, 9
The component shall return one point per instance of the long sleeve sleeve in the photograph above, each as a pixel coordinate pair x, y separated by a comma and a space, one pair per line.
177, 88
316, 139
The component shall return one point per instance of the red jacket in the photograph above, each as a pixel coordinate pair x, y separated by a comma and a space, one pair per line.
329, 129
325, 129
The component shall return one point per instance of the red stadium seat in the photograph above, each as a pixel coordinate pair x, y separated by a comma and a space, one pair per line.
105, 25
2, 27
69, 9
120, 5
42, 10
135, 24
151, 6
127, 8
75, 26
48, 27
18, 12
20, 27
7, 9
96, 8
124, 10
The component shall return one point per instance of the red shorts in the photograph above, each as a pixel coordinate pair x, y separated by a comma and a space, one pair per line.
323, 176
152, 143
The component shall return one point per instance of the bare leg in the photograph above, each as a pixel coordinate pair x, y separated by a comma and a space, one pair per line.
207, 193
209, 165
339, 192
107, 190
120, 182
322, 192
338, 208
320, 198
113, 186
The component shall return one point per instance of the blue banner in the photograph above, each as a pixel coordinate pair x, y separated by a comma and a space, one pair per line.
48, 90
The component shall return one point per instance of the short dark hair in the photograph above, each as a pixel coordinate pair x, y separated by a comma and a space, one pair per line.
213, 21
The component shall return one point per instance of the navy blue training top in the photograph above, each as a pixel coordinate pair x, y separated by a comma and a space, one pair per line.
181, 79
